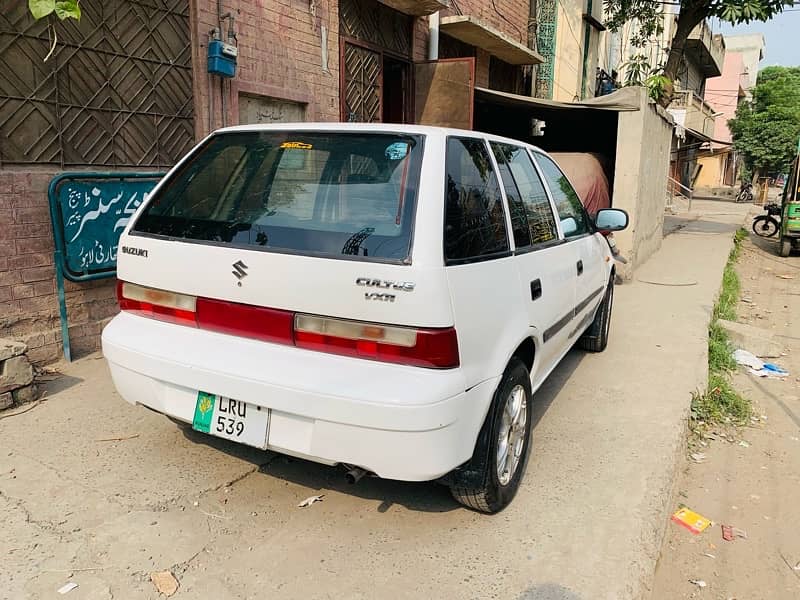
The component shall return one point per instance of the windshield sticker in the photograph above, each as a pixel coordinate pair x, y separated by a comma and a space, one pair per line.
296, 146
397, 151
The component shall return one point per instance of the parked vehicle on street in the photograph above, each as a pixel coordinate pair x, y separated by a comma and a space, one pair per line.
790, 210
745, 192
382, 297
769, 224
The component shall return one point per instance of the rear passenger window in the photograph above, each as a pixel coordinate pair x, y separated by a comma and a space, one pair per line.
573, 217
475, 224
531, 214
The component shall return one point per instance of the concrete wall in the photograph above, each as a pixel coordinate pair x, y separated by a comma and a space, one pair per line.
711, 173
568, 67
752, 47
644, 139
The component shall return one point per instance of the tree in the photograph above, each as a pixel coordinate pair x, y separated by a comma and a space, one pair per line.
47, 9
766, 129
649, 16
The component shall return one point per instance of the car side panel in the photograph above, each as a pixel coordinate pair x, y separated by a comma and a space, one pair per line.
490, 316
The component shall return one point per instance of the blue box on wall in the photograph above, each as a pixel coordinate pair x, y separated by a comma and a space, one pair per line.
222, 58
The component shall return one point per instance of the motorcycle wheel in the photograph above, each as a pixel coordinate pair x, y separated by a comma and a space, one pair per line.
765, 226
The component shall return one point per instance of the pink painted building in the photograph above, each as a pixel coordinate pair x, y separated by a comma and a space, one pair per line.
723, 93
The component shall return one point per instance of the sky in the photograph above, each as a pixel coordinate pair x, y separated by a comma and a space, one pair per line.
781, 33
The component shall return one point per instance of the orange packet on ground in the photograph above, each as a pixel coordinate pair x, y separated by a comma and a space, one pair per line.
691, 520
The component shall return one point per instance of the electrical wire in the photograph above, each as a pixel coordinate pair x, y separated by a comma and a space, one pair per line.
571, 30
506, 19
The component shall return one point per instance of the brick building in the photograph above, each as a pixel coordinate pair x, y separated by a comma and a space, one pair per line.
127, 89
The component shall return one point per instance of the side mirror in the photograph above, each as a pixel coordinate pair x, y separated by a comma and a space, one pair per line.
569, 226
611, 219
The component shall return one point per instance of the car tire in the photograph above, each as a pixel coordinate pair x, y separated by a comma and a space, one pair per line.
785, 248
490, 480
595, 338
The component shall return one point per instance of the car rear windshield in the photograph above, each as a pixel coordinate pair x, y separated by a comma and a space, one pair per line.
323, 193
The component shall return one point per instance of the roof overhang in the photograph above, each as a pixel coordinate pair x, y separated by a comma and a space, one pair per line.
476, 33
416, 8
623, 100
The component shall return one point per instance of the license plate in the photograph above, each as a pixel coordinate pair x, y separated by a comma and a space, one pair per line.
231, 419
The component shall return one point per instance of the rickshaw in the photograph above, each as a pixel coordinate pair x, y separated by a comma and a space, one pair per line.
790, 210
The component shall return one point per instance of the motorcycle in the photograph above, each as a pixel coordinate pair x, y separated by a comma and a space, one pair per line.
745, 193
769, 224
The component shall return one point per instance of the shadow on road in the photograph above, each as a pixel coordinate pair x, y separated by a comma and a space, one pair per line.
58, 385
423, 496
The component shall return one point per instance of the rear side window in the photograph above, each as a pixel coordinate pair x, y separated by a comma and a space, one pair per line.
531, 214
321, 193
475, 224
573, 217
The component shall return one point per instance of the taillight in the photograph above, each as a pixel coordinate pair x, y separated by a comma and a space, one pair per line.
436, 348
432, 348
156, 304
265, 324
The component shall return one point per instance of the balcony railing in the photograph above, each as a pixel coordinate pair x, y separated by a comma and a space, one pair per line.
698, 115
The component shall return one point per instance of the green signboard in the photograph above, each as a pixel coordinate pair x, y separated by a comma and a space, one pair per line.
89, 212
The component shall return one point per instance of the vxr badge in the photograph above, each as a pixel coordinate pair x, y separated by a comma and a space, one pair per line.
239, 271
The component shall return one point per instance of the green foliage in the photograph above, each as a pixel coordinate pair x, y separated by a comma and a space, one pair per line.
647, 15
657, 86
63, 9
766, 130
721, 403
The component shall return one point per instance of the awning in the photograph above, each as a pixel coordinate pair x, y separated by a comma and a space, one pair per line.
476, 33
623, 100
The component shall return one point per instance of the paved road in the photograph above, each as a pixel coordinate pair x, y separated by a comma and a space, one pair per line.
587, 523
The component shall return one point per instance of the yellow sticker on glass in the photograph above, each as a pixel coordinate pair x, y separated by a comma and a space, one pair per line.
296, 146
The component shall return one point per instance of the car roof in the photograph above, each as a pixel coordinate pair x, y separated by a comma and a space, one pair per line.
373, 127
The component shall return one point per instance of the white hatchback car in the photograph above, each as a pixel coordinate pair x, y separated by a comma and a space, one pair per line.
382, 297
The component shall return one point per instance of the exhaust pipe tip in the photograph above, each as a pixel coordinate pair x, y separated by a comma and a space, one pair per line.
354, 475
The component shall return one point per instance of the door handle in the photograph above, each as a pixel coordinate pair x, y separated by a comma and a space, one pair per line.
580, 267
536, 289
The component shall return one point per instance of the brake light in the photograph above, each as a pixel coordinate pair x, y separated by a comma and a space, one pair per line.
436, 348
432, 348
157, 304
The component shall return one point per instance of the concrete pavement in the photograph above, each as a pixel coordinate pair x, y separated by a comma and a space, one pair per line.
587, 523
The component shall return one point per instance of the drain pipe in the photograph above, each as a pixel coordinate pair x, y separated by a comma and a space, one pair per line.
433, 36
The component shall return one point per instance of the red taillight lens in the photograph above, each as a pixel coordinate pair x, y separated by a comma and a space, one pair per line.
433, 348
157, 304
265, 324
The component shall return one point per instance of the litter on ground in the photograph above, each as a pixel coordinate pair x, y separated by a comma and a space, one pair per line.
691, 520
310, 500
748, 359
165, 582
698, 582
67, 587
730, 533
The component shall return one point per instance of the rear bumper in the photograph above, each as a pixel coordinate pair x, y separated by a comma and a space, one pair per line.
399, 422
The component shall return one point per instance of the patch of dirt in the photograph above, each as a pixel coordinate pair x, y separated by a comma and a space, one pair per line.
749, 477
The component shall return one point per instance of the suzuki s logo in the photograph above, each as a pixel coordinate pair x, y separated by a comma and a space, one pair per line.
239, 271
